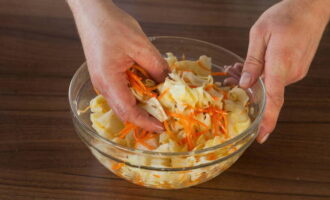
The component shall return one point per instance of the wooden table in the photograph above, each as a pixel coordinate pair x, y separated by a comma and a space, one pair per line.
41, 157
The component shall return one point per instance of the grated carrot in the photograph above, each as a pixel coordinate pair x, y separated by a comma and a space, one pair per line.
225, 125
138, 180
149, 135
211, 156
137, 84
187, 123
209, 86
152, 88
141, 70
144, 133
201, 133
137, 87
136, 78
215, 98
156, 175
219, 73
163, 93
142, 140
199, 122
187, 127
183, 141
215, 125
225, 94
117, 166
126, 130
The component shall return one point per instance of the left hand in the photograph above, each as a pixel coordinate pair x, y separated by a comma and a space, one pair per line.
282, 45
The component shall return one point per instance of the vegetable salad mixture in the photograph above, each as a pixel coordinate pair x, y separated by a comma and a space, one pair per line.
196, 111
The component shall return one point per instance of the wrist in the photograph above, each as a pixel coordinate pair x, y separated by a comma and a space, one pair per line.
75, 2
319, 8
77, 5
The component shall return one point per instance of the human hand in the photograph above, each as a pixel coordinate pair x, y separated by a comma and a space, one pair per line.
282, 45
113, 41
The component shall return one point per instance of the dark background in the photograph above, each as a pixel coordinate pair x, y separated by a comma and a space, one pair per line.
41, 157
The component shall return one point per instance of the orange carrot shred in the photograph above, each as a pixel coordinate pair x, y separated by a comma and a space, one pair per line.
225, 94
143, 133
163, 93
156, 175
142, 140
152, 88
209, 86
201, 133
187, 123
117, 166
188, 118
183, 141
137, 180
211, 156
135, 78
126, 130
138, 85
141, 70
219, 73
149, 135
215, 98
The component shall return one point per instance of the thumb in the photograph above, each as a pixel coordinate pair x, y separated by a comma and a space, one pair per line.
122, 101
254, 62
150, 59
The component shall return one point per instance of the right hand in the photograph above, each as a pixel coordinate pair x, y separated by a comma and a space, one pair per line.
113, 41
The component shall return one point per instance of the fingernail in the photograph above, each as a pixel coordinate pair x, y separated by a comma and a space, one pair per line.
264, 138
245, 79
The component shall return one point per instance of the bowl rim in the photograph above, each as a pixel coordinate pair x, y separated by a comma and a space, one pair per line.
93, 133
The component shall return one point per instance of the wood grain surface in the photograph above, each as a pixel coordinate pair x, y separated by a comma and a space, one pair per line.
41, 157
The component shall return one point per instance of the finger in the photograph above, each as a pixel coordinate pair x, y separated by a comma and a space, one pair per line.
124, 104
254, 62
272, 111
230, 81
275, 84
150, 59
235, 70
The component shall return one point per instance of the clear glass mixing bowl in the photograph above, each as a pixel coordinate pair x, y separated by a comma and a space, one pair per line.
152, 169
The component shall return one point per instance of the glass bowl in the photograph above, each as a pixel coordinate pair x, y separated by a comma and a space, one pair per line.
159, 169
